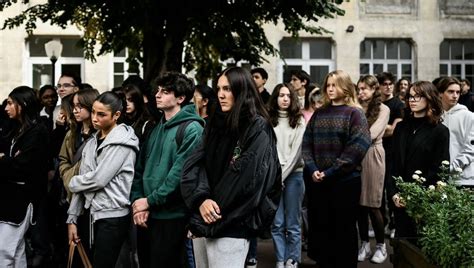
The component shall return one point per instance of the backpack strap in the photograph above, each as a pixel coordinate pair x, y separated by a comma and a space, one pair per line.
180, 132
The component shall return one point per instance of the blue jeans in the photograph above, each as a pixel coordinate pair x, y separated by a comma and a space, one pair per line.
286, 227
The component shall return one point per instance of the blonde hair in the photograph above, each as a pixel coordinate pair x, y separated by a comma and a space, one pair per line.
344, 82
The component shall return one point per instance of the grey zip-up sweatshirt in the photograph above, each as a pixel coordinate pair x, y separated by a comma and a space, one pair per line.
105, 176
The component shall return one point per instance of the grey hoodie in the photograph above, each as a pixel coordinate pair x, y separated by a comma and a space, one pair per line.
105, 176
460, 122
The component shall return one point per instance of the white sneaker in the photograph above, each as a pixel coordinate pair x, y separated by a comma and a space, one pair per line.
380, 254
371, 233
251, 263
364, 251
280, 264
392, 234
290, 263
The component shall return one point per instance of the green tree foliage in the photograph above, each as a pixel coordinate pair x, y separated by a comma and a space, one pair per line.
158, 32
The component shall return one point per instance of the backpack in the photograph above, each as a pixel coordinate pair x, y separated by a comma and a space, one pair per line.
180, 132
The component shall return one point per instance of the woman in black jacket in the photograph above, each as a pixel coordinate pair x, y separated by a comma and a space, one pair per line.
232, 182
23, 179
420, 143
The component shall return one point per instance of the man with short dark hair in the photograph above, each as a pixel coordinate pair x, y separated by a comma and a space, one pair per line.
158, 208
467, 96
386, 85
260, 76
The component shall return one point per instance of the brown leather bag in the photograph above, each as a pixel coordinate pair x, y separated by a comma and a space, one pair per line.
82, 254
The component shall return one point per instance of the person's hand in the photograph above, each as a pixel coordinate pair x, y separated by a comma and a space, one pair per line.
61, 119
140, 204
72, 235
140, 218
318, 176
398, 201
210, 211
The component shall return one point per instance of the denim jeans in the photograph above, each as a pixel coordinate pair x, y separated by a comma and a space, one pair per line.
286, 228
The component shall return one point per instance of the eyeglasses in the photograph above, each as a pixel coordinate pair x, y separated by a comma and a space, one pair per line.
77, 107
387, 84
65, 85
415, 98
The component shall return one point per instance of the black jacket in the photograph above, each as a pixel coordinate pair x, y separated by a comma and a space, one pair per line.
23, 170
423, 150
249, 192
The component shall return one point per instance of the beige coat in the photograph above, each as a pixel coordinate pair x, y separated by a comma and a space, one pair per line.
66, 168
373, 164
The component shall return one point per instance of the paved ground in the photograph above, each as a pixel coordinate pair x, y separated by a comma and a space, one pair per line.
266, 257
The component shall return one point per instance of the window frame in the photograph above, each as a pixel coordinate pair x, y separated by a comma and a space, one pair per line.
386, 62
306, 62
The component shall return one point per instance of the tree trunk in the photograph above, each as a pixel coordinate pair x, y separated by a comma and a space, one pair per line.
163, 43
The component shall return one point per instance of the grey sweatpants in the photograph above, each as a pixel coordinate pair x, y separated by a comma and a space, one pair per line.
220, 252
12, 246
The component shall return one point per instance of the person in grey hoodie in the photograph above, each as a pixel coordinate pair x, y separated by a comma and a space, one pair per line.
460, 122
105, 180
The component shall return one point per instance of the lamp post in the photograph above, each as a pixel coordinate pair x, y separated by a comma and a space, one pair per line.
53, 50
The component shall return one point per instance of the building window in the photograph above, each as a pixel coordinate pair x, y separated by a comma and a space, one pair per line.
313, 55
122, 69
457, 59
39, 69
387, 55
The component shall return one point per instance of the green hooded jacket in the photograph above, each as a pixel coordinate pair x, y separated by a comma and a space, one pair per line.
159, 167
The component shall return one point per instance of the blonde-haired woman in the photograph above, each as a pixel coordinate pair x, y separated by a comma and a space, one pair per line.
334, 144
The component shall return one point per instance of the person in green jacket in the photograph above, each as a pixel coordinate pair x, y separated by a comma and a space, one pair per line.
158, 208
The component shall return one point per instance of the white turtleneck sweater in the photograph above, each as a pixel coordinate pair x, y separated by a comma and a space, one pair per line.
289, 142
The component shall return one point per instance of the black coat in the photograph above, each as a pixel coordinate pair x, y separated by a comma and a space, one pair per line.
248, 193
429, 147
23, 174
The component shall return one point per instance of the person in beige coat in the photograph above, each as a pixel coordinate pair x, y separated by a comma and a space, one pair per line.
373, 170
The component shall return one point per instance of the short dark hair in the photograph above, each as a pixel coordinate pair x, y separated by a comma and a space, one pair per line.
44, 88
468, 83
444, 83
76, 79
382, 77
179, 83
302, 75
261, 71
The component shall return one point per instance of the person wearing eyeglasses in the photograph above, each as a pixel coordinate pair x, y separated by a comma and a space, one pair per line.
420, 143
386, 81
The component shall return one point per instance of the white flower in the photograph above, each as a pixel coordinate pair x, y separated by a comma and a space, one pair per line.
444, 196
441, 183
458, 170
418, 172
445, 163
422, 179
431, 188
415, 177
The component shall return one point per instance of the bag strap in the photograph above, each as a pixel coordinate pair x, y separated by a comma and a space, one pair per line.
82, 254
70, 256
180, 132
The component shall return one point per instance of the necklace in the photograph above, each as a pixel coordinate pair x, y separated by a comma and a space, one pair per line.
418, 128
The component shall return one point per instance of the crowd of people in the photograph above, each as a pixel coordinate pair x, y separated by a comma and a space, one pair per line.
175, 174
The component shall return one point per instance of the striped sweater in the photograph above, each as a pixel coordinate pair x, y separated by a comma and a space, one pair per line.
335, 142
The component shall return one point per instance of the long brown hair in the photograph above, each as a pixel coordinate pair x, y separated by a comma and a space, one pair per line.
343, 81
373, 109
434, 107
294, 111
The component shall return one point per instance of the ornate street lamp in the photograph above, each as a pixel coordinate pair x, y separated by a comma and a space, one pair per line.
53, 51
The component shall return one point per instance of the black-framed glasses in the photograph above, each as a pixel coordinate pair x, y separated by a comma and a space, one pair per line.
387, 84
65, 85
415, 98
